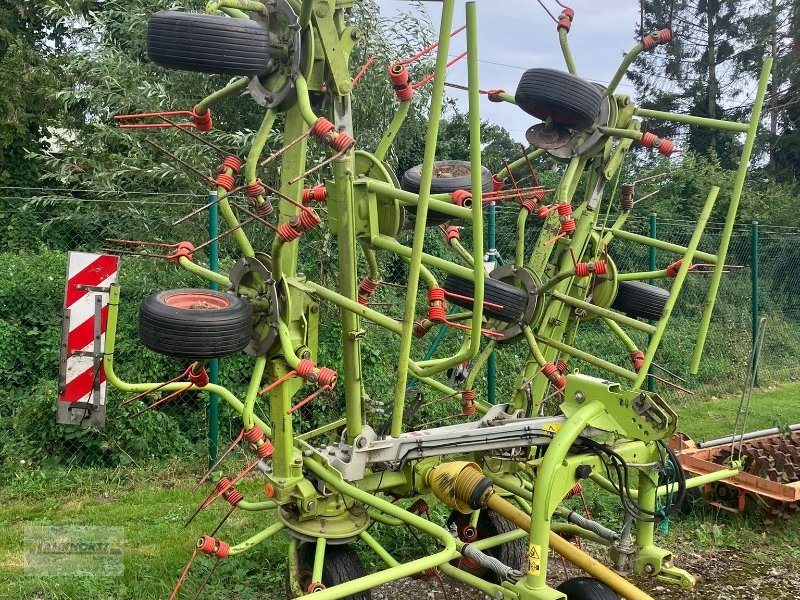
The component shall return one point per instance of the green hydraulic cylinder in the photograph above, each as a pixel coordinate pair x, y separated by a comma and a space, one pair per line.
213, 366
754, 284
651, 382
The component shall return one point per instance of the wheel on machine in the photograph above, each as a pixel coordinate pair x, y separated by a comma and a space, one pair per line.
341, 565
587, 588
563, 98
208, 43
511, 298
195, 323
448, 176
640, 300
513, 554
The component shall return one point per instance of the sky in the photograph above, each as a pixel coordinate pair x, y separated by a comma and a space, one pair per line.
515, 35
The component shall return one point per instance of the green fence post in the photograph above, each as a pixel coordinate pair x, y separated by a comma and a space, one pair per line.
491, 366
754, 282
213, 368
651, 382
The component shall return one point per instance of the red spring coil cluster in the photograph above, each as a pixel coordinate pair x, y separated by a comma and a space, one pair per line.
308, 219
626, 199
567, 223
598, 267
305, 368
262, 209
539, 193
322, 129
399, 77
549, 370
469, 408
672, 270
494, 95
366, 288
437, 312
637, 358
185, 249
213, 547
662, 36
461, 197
326, 377
287, 233
203, 121
576, 490
497, 184
469, 395
543, 212
256, 189
231, 162
230, 493
342, 142
421, 328
254, 435
318, 193
200, 379
528, 204
565, 19
564, 210
420, 507
561, 366
225, 181
451, 233
265, 450
651, 140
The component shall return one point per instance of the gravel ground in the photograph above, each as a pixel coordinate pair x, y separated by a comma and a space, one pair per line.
726, 575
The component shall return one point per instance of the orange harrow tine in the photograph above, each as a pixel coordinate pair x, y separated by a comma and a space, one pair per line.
534, 178
285, 197
468, 299
324, 163
224, 233
206, 503
254, 217
162, 400
181, 579
429, 77
202, 208
427, 50
186, 129
670, 384
277, 382
298, 139
222, 522
139, 243
235, 442
159, 386
208, 577
308, 399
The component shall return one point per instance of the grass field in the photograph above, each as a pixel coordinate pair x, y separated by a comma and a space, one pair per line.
152, 505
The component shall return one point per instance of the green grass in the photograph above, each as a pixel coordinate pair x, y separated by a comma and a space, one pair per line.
152, 504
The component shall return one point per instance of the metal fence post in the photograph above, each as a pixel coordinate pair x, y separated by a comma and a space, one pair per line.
213, 375
754, 284
491, 367
651, 382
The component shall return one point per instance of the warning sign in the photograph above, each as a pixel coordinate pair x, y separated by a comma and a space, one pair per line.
535, 558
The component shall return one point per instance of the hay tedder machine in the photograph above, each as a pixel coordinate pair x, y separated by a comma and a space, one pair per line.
503, 469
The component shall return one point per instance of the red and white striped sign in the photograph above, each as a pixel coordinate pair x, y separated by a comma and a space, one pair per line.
82, 377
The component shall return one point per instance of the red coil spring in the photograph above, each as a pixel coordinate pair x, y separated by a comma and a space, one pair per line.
539, 193
577, 489
497, 184
287, 233
528, 204
565, 19
342, 142
231, 162
262, 209
560, 382
437, 313
184, 249
543, 212
420, 329
399, 77
213, 547
308, 219
663, 36
564, 210
255, 189
315, 587
451, 233
469, 408
650, 140
637, 358
420, 507
225, 181
254, 435
672, 270
305, 368
265, 450
549, 370
666, 148
599, 267
222, 549
561, 366
460, 197
318, 193
199, 379
494, 95
203, 121
322, 128
326, 377
233, 496
366, 288
568, 226
223, 485
469, 395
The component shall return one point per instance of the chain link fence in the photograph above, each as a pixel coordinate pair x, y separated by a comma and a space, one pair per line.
39, 227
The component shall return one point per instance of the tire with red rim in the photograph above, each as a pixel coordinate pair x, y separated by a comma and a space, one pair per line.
564, 98
195, 323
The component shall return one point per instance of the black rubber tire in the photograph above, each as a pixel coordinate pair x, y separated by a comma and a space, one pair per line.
587, 588
219, 326
341, 565
441, 185
640, 300
207, 43
511, 298
513, 554
566, 99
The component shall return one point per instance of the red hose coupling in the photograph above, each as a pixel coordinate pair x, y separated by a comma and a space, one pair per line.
366, 288
287, 233
200, 379
497, 184
225, 181
462, 198
314, 587
421, 328
494, 95
398, 74
256, 189
451, 233
637, 358
318, 193
672, 270
202, 121
185, 250
231, 162
213, 547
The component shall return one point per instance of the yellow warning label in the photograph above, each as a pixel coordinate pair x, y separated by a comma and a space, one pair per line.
535, 558
552, 427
